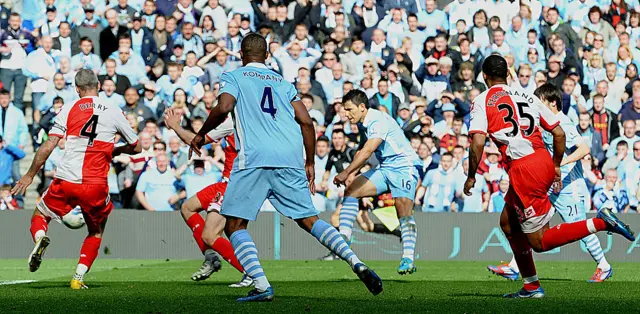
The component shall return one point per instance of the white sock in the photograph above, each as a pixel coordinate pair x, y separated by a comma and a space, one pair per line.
604, 265
80, 271
261, 283
513, 264
40, 234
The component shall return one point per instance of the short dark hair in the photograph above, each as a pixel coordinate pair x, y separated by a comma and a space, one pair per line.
533, 31
499, 30
124, 36
447, 154
622, 143
4, 91
458, 146
253, 44
85, 38
152, 121
550, 93
339, 131
306, 96
323, 139
164, 145
553, 9
495, 66
58, 98
412, 15
357, 97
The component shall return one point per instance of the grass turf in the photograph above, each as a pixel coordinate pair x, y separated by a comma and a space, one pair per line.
143, 286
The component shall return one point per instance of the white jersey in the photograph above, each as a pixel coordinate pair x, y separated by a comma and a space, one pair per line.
89, 126
512, 117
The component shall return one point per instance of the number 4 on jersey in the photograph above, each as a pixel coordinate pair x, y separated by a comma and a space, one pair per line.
266, 104
89, 129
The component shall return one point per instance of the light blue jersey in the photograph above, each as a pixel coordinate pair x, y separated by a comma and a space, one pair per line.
441, 188
573, 200
397, 172
270, 163
473, 203
267, 134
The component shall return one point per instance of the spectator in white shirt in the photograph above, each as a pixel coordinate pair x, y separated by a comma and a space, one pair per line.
290, 59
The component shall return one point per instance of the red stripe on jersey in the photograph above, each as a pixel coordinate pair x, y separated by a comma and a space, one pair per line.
97, 160
230, 154
546, 126
79, 114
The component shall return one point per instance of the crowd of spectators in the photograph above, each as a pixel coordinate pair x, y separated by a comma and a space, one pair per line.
417, 60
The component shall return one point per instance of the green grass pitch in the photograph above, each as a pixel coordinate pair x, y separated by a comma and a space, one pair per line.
154, 286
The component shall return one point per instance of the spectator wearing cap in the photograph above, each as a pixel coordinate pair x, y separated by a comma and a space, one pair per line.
122, 82
562, 30
85, 59
151, 100
40, 66
354, 60
109, 95
142, 42
110, 35
213, 70
291, 59
68, 43
432, 20
433, 83
15, 43
89, 25
395, 24
384, 55
605, 122
282, 25
245, 25
189, 40
465, 80
383, 98
59, 88
50, 25
404, 115
217, 14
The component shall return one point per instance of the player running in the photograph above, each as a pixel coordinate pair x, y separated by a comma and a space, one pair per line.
512, 118
271, 123
208, 235
89, 126
573, 200
397, 172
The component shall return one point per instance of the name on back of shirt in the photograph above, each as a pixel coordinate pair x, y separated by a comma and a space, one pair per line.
263, 76
494, 98
93, 105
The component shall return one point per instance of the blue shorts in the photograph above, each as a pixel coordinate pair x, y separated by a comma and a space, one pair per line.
286, 188
401, 181
571, 207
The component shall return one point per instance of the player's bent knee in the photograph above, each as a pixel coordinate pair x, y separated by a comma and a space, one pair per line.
307, 223
209, 236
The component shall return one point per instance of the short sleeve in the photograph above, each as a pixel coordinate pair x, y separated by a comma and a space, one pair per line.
479, 121
377, 129
548, 120
573, 137
224, 129
229, 85
123, 127
427, 179
142, 182
59, 127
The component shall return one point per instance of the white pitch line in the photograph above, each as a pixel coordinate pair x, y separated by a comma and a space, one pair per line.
15, 282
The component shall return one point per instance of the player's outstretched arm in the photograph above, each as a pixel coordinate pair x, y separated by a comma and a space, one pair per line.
38, 161
308, 139
127, 149
172, 120
475, 156
582, 150
216, 117
359, 160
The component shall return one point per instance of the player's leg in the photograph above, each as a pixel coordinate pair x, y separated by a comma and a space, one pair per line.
572, 209
290, 196
244, 196
402, 183
39, 227
510, 225
89, 250
53, 204
362, 186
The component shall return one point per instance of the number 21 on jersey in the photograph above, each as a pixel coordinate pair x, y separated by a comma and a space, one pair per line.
266, 104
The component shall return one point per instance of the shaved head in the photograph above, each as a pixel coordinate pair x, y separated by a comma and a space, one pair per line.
253, 48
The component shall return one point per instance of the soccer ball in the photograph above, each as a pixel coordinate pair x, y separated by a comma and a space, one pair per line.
74, 219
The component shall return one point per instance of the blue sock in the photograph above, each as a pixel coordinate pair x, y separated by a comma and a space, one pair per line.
409, 234
348, 214
247, 255
329, 237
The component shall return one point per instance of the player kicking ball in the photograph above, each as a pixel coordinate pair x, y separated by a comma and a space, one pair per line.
208, 234
513, 118
89, 127
573, 200
271, 125
397, 172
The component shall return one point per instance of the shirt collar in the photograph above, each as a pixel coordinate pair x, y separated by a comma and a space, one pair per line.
369, 117
256, 65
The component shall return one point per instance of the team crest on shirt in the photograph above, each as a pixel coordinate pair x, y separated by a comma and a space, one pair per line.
529, 212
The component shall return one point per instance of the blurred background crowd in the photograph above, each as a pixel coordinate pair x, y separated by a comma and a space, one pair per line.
417, 60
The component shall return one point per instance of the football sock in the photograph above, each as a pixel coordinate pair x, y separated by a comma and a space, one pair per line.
570, 232
80, 271
604, 264
224, 248
523, 254
196, 223
39, 227
247, 254
348, 214
409, 236
592, 243
513, 264
330, 238
88, 254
